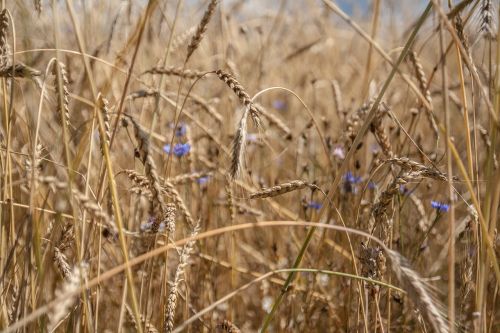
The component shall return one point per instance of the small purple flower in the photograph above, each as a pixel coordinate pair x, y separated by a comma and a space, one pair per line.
181, 130
314, 205
439, 206
350, 178
372, 185
181, 149
279, 104
202, 180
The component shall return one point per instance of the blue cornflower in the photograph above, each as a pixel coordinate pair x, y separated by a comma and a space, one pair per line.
350, 178
314, 205
441, 207
372, 185
202, 180
279, 104
180, 149
181, 130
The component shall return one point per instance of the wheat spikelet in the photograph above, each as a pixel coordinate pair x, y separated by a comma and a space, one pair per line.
243, 96
172, 295
20, 70
4, 43
169, 218
103, 105
176, 197
378, 130
70, 286
188, 177
38, 6
175, 71
201, 29
182, 38
64, 108
238, 146
228, 327
61, 263
422, 82
418, 292
158, 207
487, 28
417, 170
337, 98
142, 94
145, 323
230, 200
282, 189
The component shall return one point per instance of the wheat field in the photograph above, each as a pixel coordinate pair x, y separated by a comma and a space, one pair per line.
249, 166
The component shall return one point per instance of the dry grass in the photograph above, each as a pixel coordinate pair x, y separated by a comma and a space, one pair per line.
137, 196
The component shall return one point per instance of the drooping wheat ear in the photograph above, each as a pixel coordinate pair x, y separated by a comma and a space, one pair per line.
189, 177
61, 262
282, 189
487, 29
337, 98
145, 323
142, 94
201, 29
176, 71
64, 108
158, 207
38, 6
417, 170
4, 43
276, 121
174, 288
240, 91
228, 327
104, 106
71, 284
422, 82
239, 141
379, 131
21, 71
418, 292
